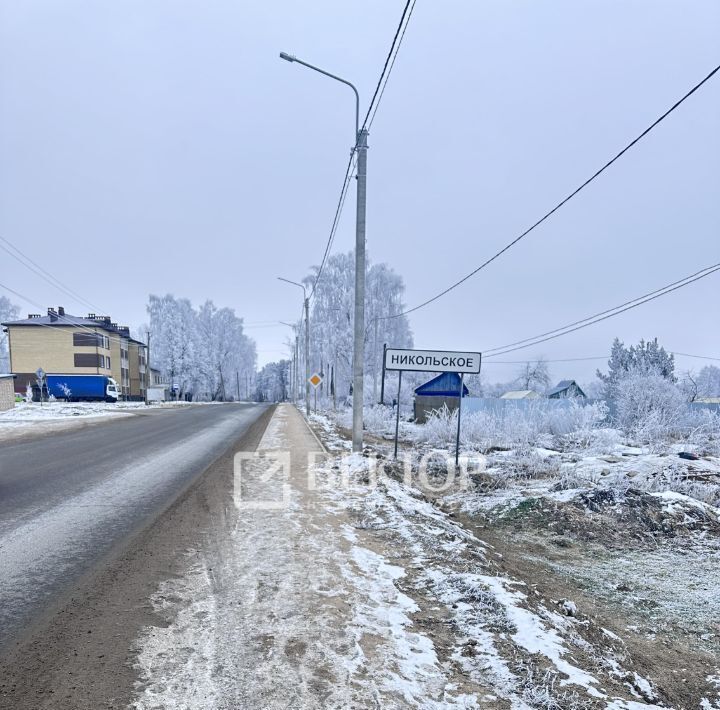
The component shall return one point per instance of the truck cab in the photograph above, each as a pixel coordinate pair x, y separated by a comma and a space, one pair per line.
112, 391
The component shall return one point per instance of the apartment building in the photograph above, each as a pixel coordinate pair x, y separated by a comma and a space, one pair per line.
63, 343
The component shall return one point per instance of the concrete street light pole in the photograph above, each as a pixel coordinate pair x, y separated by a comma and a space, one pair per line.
294, 378
306, 304
359, 324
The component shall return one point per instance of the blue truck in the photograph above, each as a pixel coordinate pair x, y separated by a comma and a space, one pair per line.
82, 388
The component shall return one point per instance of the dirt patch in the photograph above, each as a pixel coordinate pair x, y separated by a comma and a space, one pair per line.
527, 547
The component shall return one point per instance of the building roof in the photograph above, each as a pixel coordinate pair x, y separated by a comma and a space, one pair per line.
562, 386
445, 384
60, 319
3, 375
520, 394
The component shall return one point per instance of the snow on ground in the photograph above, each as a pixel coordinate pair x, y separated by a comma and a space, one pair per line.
35, 418
36, 412
367, 592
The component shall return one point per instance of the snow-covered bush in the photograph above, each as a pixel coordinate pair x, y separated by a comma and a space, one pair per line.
379, 419
650, 408
542, 422
675, 478
703, 431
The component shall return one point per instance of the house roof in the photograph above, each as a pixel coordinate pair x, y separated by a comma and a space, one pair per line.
520, 394
57, 320
445, 384
562, 386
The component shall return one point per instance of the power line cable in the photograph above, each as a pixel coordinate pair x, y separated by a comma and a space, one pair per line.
336, 219
66, 321
562, 202
390, 68
387, 62
590, 322
596, 315
33, 266
699, 357
373, 107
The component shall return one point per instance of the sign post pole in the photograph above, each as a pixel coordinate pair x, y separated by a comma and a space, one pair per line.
382, 381
457, 438
397, 414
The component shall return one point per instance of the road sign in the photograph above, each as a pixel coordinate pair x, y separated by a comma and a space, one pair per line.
432, 361
315, 380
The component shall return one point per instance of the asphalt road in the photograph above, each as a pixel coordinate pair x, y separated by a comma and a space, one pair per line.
67, 499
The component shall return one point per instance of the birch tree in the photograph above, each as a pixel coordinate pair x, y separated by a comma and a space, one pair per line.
8, 311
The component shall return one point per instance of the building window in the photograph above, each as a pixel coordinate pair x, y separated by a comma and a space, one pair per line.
88, 360
82, 340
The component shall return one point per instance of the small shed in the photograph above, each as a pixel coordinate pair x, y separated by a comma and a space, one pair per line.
521, 394
566, 389
441, 391
7, 392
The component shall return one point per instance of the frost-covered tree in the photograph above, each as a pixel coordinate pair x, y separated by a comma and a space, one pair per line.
533, 376
646, 356
204, 352
708, 381
649, 404
272, 383
8, 311
173, 350
331, 324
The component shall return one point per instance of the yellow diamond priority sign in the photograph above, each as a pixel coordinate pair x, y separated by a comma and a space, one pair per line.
315, 380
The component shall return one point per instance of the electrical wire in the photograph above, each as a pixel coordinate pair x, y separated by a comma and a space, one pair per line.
336, 219
699, 357
597, 315
66, 321
373, 107
563, 202
615, 312
389, 60
392, 64
33, 266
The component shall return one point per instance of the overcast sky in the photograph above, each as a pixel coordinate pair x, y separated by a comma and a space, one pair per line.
152, 146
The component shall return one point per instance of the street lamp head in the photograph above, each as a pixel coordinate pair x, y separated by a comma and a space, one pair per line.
287, 57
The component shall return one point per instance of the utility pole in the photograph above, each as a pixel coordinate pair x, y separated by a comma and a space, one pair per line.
306, 307
307, 356
375, 362
359, 335
237, 382
297, 371
382, 381
147, 368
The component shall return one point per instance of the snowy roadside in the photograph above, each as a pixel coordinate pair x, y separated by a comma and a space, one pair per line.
602, 528
50, 417
364, 591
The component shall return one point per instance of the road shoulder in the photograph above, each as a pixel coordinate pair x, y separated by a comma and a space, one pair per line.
80, 654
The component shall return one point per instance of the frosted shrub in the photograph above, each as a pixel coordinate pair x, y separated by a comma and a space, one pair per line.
540, 423
704, 432
652, 410
675, 478
379, 419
